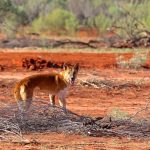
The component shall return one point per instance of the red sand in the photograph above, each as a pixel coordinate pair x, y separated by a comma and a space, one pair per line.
84, 100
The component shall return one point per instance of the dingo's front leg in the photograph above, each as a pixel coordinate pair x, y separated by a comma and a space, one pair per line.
62, 103
52, 99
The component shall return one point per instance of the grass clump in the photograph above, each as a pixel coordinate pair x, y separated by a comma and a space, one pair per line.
136, 62
118, 114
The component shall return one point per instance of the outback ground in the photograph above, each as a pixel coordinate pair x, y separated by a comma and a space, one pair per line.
129, 94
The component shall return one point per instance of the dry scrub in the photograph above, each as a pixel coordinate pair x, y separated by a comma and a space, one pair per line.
108, 84
136, 62
43, 118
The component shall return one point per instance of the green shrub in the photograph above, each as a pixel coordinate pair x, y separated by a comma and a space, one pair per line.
10, 25
5, 6
58, 3
145, 14
58, 21
133, 20
71, 24
21, 15
10, 18
38, 25
5, 9
62, 16
102, 22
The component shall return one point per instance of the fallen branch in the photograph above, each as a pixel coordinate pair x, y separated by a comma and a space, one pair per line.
141, 110
26, 42
85, 82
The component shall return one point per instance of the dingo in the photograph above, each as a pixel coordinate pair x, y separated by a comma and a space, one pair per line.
54, 83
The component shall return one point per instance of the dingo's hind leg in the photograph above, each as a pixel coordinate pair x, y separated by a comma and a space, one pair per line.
21, 105
24, 105
19, 100
26, 96
28, 103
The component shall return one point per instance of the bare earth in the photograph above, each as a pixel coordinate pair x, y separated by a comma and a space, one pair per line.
83, 100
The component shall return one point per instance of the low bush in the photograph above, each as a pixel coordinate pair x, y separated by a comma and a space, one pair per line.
10, 25
58, 21
136, 62
102, 22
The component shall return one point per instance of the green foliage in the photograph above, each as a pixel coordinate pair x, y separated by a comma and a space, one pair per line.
71, 24
10, 25
145, 11
34, 8
95, 3
102, 22
5, 6
38, 25
22, 16
8, 18
58, 4
59, 20
113, 10
68, 15
133, 19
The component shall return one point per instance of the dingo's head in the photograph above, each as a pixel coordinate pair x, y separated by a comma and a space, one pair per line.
70, 73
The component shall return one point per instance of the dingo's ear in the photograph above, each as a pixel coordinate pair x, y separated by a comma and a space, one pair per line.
76, 67
65, 67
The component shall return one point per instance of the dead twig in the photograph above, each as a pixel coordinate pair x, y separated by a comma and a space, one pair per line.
141, 110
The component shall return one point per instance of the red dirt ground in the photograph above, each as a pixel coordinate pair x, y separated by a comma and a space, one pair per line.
83, 100
86, 60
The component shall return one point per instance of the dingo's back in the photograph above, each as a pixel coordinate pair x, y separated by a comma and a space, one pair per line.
54, 83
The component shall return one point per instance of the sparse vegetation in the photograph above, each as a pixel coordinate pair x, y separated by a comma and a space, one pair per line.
137, 61
59, 21
66, 16
55, 120
117, 114
111, 104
